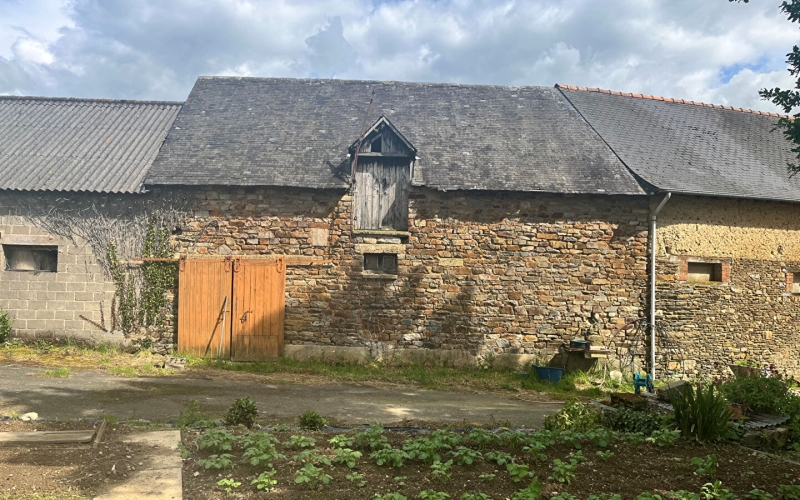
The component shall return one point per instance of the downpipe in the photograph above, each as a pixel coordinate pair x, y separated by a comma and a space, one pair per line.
653, 243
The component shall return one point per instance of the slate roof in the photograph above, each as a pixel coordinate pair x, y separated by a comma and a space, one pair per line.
290, 132
65, 144
692, 148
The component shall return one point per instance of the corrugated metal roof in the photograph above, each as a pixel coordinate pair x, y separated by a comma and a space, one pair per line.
290, 132
65, 144
692, 148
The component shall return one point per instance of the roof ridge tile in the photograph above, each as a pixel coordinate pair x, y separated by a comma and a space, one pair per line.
670, 99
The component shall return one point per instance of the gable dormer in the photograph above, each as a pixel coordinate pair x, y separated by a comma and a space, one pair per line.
382, 164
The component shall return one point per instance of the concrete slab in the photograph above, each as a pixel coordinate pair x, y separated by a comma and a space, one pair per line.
160, 477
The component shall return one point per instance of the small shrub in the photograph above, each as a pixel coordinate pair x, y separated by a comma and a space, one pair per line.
757, 494
300, 442
346, 456
312, 421
242, 412
341, 441
629, 421
357, 479
262, 455
532, 492
5, 326
311, 456
499, 457
433, 495
573, 416
372, 438
311, 476
264, 481
216, 440
426, 449
223, 461
465, 456
441, 470
789, 492
390, 457
480, 437
564, 472
705, 466
702, 414
390, 496
664, 437
518, 472
228, 485
715, 491
761, 394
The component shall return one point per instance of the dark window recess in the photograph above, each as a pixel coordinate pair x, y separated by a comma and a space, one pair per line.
381, 263
30, 258
704, 271
796, 283
377, 145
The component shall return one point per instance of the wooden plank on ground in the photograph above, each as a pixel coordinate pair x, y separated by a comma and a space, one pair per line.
47, 437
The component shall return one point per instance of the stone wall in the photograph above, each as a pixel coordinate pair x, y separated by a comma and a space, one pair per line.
751, 313
486, 274
47, 304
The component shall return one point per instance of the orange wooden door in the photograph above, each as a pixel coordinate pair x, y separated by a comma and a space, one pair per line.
203, 286
258, 309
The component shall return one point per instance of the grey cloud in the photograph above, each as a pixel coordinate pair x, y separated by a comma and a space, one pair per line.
331, 55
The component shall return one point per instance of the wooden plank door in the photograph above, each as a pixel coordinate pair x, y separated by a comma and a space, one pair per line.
258, 309
203, 285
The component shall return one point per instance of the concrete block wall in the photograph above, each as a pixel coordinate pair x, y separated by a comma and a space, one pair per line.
50, 304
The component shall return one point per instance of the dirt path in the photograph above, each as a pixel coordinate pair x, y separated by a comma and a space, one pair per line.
160, 399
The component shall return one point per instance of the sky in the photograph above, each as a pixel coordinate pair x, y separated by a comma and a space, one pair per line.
704, 50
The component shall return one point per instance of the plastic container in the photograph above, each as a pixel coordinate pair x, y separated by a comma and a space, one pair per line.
549, 373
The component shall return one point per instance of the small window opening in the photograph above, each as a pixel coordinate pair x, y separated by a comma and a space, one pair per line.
31, 258
704, 271
377, 145
385, 263
796, 283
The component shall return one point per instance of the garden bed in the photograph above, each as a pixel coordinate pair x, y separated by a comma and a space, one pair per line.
628, 468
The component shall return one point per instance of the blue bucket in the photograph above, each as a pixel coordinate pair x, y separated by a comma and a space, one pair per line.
548, 373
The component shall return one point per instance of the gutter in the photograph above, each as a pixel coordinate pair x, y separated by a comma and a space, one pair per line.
652, 318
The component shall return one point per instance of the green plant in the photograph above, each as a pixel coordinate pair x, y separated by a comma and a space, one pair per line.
441, 470
574, 416
702, 413
341, 441
57, 373
664, 437
357, 479
346, 456
264, 481
605, 455
487, 477
390, 457
532, 492
715, 491
312, 456
647, 496
604, 496
216, 440
628, 420
390, 496
518, 472
789, 492
262, 455
480, 437
601, 436
761, 394
564, 496
5, 326
228, 484
242, 412
705, 466
425, 449
372, 438
512, 438
499, 457
682, 495
634, 438
257, 439
190, 415
223, 461
432, 495
312, 421
299, 442
564, 472
400, 480
311, 476
465, 456
475, 496
757, 494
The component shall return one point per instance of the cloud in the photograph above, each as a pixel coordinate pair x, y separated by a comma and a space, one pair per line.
149, 49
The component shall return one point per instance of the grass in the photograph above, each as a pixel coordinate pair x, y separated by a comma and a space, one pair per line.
57, 373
